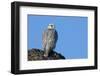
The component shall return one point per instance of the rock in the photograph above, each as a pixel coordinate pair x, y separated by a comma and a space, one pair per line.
38, 54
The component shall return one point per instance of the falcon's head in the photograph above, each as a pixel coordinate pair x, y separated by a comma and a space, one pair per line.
51, 26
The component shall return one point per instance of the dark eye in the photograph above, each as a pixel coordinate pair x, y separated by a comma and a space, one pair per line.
51, 25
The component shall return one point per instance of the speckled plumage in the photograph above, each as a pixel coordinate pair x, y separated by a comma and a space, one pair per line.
50, 37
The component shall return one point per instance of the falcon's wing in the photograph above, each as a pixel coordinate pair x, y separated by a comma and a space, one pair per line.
44, 38
56, 36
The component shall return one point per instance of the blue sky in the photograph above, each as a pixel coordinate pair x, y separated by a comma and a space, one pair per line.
72, 34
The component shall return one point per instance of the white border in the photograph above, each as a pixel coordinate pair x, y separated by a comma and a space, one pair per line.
26, 65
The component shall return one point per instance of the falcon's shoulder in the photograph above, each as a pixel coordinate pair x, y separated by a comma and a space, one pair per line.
44, 35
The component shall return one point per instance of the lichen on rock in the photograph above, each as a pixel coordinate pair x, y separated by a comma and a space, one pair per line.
38, 54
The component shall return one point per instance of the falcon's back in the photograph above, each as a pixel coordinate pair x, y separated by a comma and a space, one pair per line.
49, 38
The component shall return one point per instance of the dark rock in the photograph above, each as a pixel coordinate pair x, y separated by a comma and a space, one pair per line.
38, 54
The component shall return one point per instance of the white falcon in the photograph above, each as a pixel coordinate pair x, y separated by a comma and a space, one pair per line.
49, 39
